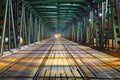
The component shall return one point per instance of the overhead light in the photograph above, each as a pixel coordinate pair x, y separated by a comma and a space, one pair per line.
57, 35
89, 20
100, 14
6, 39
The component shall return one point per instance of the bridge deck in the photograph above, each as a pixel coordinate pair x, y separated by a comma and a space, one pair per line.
59, 59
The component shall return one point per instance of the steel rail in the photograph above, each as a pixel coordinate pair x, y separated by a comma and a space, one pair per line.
36, 76
18, 60
82, 72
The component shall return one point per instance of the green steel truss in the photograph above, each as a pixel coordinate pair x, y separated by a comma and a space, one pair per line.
105, 28
8, 37
101, 28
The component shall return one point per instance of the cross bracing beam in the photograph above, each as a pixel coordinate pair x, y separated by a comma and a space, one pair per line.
58, 1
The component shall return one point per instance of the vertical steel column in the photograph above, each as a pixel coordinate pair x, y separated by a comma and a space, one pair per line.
70, 37
4, 27
96, 27
108, 25
46, 30
38, 37
103, 25
106, 20
0, 7
87, 30
81, 32
112, 13
21, 26
16, 20
24, 25
78, 28
31, 28
13, 25
92, 27
68, 33
9, 31
115, 23
42, 31
35, 30
73, 32
84, 34
100, 24
9, 12
75, 29
23, 31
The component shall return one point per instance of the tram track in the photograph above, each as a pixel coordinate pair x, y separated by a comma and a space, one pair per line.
81, 71
61, 61
105, 63
112, 67
36, 76
5, 69
68, 55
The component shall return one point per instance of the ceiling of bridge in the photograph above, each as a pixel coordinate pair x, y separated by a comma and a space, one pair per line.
59, 11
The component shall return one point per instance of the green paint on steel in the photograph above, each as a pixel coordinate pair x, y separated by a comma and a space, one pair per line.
13, 25
4, 26
57, 10
8, 13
